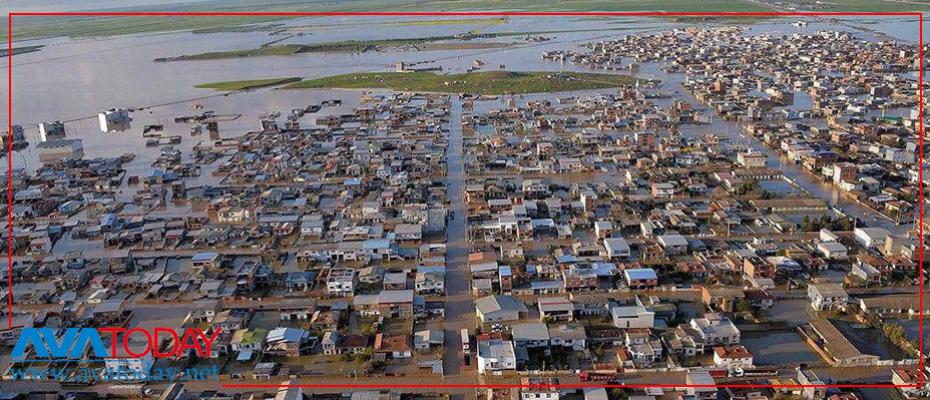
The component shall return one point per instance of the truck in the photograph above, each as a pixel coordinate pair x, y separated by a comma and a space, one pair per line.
755, 372
588, 376
466, 342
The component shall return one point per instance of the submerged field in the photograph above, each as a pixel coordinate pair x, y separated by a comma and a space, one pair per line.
443, 42
490, 82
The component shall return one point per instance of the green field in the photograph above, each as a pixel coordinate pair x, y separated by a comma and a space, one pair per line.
247, 84
490, 83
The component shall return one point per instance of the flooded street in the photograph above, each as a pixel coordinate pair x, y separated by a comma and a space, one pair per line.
460, 310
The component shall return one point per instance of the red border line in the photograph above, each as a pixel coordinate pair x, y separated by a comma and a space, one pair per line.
486, 13
920, 206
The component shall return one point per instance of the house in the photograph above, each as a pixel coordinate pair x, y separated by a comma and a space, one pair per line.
571, 336
539, 388
330, 342
716, 329
700, 385
495, 355
683, 341
597, 393
203, 311
395, 281
832, 250
499, 308
427, 338
126, 358
640, 278
751, 159
353, 344
408, 233
393, 345
530, 335
576, 276
827, 296
289, 342
866, 273
721, 298
814, 388
288, 392
9, 333
908, 381
430, 282
732, 357
341, 282
871, 238
617, 248
205, 260
603, 229
555, 309
759, 299
673, 244
387, 303
250, 340
633, 316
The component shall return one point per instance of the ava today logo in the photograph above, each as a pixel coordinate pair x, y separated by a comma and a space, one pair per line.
74, 341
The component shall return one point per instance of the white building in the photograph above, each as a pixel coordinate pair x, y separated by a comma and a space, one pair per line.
827, 296
701, 385
732, 357
133, 368
871, 238
113, 119
496, 355
833, 250
341, 282
51, 131
634, 316
716, 329
674, 244
617, 248
751, 159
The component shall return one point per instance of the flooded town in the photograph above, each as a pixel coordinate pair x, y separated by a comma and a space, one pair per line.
493, 208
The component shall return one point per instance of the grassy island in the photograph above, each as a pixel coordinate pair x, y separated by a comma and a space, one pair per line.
247, 84
490, 82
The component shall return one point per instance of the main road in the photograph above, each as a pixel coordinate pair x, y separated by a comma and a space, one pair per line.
460, 309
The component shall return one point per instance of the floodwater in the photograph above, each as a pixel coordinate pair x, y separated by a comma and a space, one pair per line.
777, 348
870, 340
72, 79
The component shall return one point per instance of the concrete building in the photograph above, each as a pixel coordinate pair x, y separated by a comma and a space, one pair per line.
827, 296
732, 357
54, 130
495, 356
114, 119
633, 316
62, 149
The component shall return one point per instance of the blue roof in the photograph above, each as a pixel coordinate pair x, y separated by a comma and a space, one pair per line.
205, 256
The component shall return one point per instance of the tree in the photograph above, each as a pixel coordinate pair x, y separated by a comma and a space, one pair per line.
743, 306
